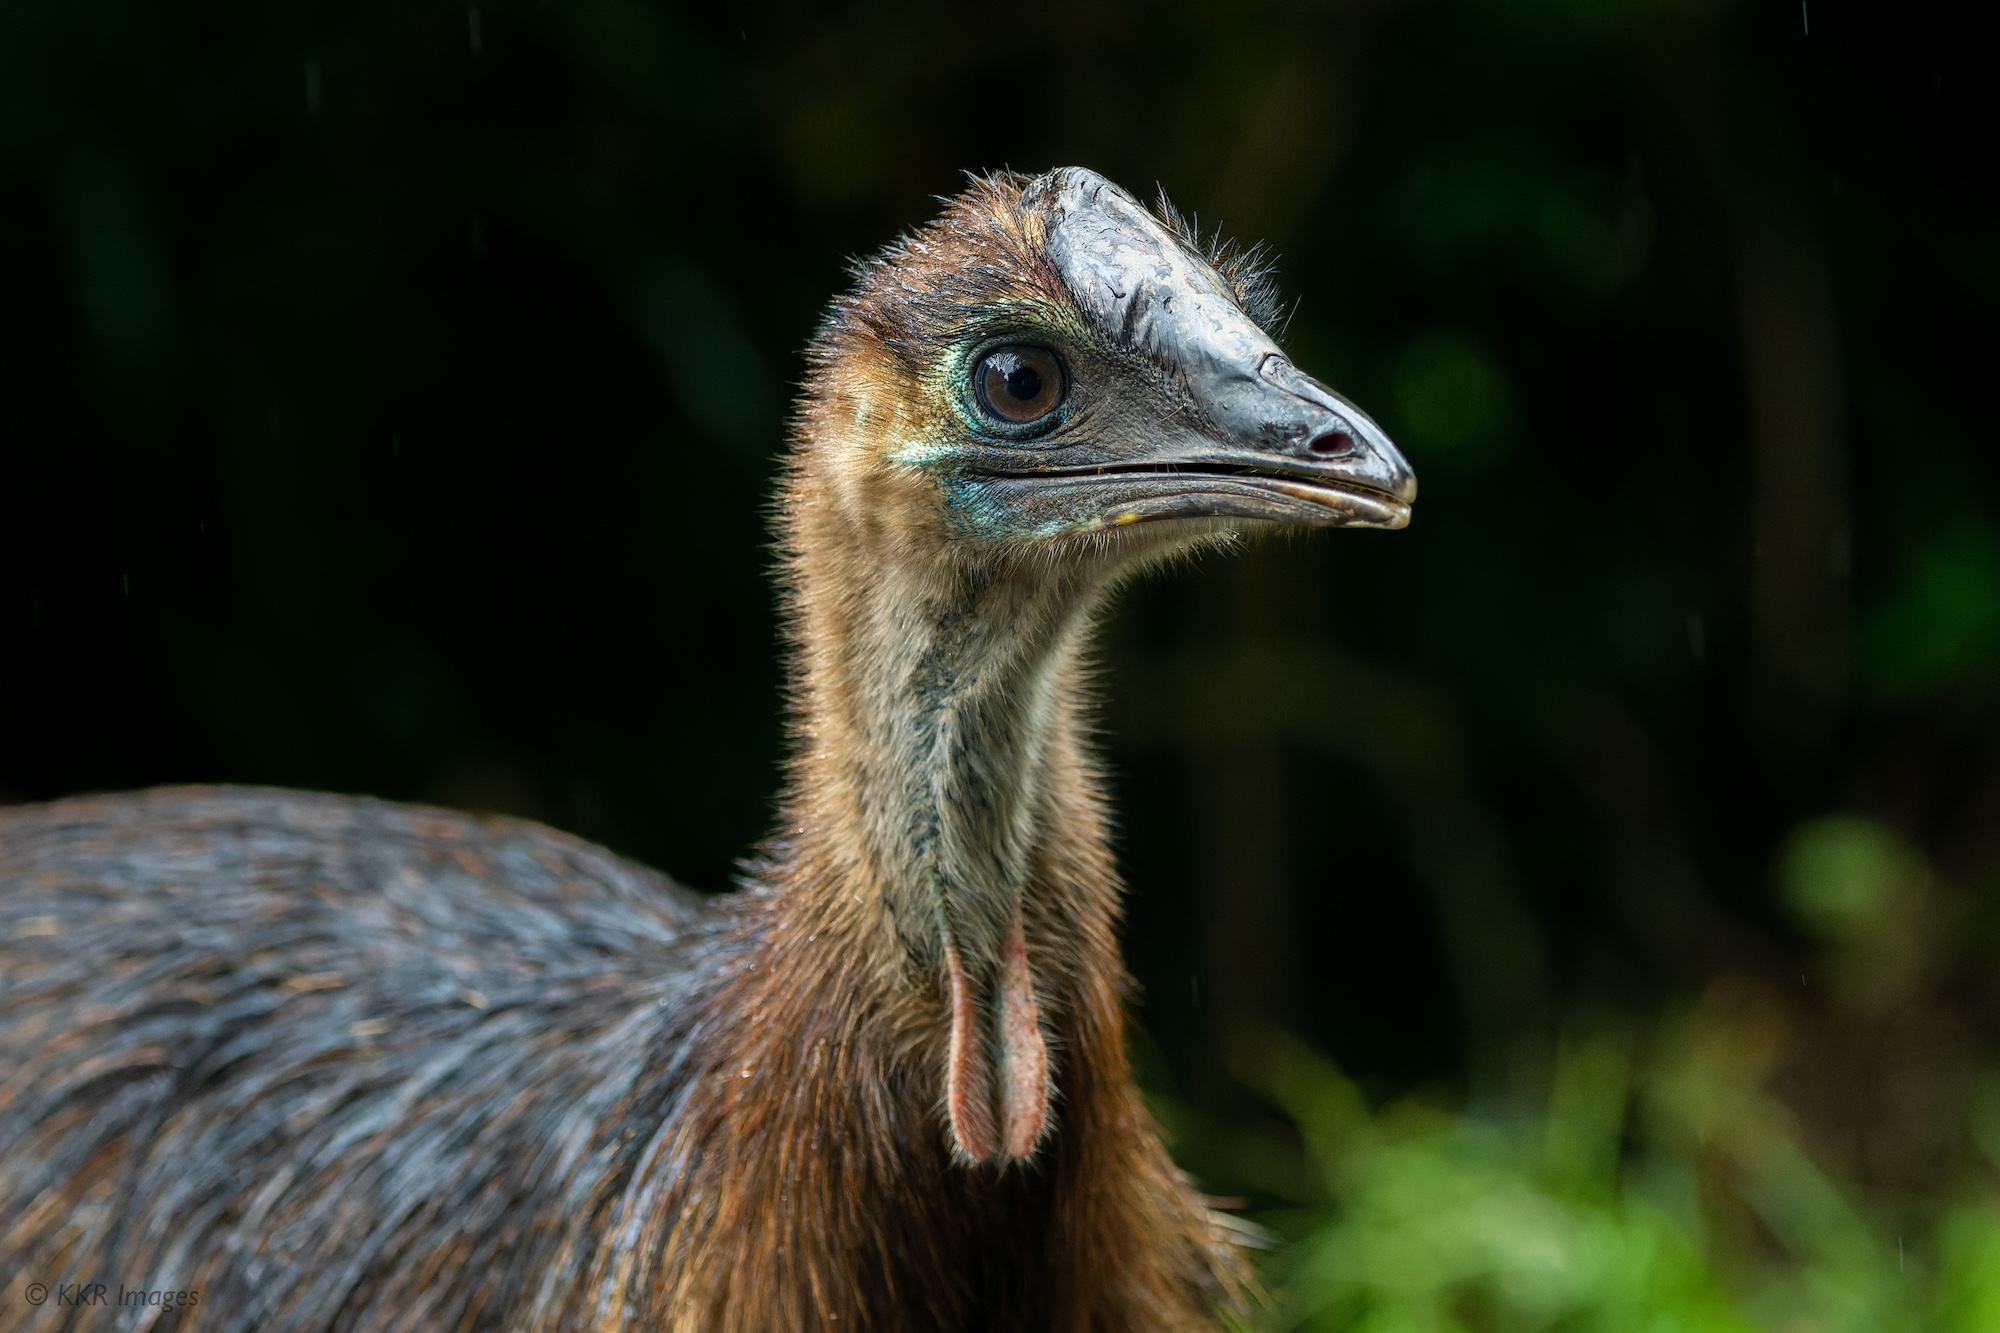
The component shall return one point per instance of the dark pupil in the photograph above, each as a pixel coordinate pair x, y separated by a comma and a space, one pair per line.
1024, 382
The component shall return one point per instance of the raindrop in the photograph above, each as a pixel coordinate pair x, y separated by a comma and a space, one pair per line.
473, 29
312, 87
1697, 637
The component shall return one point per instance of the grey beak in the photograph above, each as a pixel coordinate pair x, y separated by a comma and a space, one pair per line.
1266, 430
1282, 413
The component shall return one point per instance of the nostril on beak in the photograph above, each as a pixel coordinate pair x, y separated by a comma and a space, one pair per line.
1332, 444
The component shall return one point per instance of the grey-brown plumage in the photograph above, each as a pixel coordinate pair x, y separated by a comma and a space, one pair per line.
263, 1045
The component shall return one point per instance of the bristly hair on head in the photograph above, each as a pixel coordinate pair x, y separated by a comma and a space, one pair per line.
1251, 271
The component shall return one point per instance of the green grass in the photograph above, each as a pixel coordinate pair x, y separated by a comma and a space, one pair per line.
1667, 1196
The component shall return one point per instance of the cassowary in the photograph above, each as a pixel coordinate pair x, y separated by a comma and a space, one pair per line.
296, 1062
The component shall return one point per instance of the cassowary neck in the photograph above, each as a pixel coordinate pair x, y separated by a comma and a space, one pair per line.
947, 700
941, 792
930, 964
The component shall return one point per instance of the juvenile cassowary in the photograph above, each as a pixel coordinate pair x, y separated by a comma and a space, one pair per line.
292, 1062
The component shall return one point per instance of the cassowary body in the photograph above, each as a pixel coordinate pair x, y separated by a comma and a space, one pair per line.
330, 1063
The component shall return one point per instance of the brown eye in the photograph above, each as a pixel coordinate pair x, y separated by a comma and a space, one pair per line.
1019, 384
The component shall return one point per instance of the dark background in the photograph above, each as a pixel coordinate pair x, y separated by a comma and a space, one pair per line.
390, 394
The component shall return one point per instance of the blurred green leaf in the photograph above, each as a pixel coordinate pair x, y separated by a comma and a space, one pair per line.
1453, 400
1571, 1222
1942, 622
1843, 874
1457, 1223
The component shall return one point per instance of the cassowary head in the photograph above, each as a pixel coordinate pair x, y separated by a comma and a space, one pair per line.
1049, 366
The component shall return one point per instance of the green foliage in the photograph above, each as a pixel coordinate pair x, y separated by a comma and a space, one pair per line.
1664, 1180
1677, 1201
1446, 1223
1453, 402
1843, 875
1941, 621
